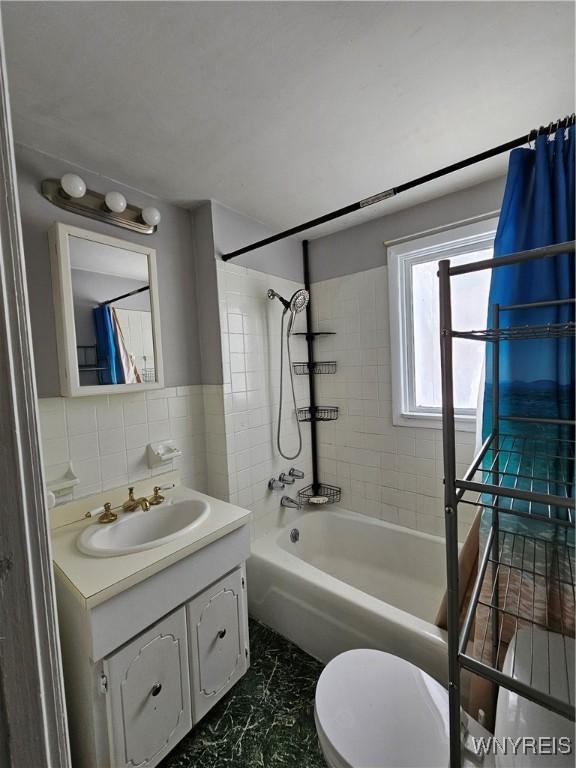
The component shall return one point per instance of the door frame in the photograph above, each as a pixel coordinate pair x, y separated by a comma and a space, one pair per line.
33, 725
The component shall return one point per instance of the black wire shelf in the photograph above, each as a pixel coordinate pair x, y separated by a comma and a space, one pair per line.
302, 369
313, 334
330, 492
318, 413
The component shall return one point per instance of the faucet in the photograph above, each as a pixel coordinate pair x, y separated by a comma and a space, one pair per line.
106, 516
131, 504
286, 501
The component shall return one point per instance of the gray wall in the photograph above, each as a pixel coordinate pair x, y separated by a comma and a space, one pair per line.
362, 247
233, 230
175, 259
208, 306
217, 230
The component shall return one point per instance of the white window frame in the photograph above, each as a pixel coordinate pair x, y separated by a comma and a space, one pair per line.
401, 255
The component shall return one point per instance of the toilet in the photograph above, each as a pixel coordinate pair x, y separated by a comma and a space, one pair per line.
376, 710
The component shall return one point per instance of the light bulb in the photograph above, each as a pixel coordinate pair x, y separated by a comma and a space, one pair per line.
73, 185
115, 201
151, 216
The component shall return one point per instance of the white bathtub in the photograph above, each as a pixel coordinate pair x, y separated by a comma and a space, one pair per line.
352, 582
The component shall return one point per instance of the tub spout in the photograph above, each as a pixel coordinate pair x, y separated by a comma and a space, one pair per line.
286, 501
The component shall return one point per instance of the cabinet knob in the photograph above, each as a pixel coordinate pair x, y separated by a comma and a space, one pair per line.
222, 634
156, 688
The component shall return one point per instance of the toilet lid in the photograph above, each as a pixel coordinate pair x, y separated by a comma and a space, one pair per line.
375, 710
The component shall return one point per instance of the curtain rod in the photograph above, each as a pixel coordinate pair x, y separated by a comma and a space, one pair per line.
393, 191
125, 295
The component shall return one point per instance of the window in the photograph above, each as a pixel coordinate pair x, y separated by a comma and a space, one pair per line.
414, 323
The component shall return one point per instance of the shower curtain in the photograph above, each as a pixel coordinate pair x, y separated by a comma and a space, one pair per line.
536, 379
107, 348
129, 369
537, 210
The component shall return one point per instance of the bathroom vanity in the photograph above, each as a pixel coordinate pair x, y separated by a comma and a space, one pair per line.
153, 639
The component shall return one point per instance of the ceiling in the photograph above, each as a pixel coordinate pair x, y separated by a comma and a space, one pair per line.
285, 110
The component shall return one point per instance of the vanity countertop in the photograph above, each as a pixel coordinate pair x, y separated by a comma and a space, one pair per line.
96, 579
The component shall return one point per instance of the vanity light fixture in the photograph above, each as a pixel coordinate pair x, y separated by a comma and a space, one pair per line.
115, 202
71, 194
73, 185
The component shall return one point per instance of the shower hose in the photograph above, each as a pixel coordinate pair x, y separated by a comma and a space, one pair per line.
288, 333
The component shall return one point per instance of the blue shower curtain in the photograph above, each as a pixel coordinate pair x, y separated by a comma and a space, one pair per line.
536, 376
107, 347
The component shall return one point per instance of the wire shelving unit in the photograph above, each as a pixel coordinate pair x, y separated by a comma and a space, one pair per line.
522, 479
317, 367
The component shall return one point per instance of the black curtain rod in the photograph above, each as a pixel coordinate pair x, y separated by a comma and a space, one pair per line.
125, 295
393, 191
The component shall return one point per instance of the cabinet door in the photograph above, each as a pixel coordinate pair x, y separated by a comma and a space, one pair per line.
149, 693
218, 641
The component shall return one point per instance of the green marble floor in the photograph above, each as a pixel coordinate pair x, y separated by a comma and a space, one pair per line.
267, 719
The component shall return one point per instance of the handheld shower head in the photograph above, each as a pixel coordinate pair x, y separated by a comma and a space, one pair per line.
297, 303
299, 300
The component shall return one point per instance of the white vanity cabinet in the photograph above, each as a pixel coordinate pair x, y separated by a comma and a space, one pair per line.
142, 667
218, 641
148, 693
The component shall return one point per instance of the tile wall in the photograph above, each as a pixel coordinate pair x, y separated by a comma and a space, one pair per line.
394, 473
105, 437
227, 432
250, 324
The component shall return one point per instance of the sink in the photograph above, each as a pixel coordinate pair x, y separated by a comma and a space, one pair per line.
137, 531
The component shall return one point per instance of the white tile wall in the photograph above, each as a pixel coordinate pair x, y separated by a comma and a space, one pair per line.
105, 437
394, 473
241, 420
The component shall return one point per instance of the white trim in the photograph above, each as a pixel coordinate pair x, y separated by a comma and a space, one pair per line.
33, 727
446, 228
448, 242
64, 311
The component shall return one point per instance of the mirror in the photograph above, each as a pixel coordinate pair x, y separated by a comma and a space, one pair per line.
105, 298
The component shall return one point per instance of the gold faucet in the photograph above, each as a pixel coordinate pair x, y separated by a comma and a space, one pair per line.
107, 516
157, 498
131, 504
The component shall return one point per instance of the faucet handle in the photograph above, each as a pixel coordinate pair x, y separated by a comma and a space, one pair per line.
104, 512
107, 516
297, 473
130, 503
284, 478
275, 485
157, 498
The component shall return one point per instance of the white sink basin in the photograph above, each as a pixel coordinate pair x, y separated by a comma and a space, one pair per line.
137, 531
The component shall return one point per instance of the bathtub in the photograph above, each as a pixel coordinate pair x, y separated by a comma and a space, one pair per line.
351, 582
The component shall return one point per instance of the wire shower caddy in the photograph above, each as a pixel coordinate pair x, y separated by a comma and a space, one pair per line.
513, 475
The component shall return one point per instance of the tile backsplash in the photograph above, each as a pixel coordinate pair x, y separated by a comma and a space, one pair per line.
105, 437
386, 471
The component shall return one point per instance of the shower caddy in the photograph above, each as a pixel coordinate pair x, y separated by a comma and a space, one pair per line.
505, 478
314, 413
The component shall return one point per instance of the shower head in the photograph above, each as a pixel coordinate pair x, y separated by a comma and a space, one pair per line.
299, 300
297, 303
